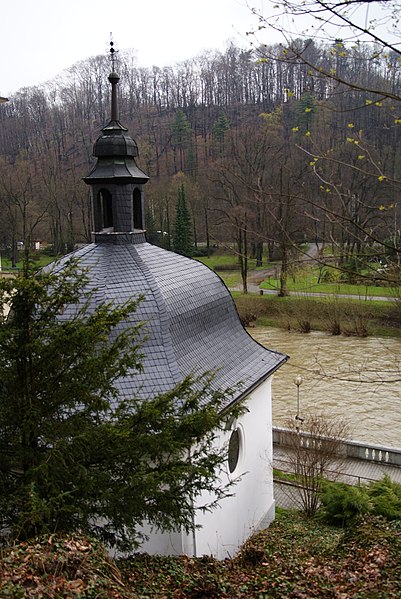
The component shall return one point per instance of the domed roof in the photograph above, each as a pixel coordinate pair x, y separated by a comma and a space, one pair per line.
191, 323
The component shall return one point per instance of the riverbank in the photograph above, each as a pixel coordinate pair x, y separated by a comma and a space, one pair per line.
332, 314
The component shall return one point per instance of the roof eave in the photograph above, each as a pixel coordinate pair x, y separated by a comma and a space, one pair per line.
256, 384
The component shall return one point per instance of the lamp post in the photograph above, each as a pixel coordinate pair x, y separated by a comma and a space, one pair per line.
2, 101
298, 380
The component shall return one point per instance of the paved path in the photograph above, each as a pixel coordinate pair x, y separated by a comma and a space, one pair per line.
253, 287
256, 277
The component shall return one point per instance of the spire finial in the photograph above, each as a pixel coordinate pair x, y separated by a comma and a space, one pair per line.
112, 53
114, 79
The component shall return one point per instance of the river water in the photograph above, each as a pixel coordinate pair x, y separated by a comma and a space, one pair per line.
356, 378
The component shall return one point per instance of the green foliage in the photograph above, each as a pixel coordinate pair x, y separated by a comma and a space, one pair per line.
393, 249
219, 131
39, 259
181, 130
151, 228
306, 109
221, 126
327, 275
72, 455
385, 496
294, 557
182, 240
332, 281
342, 503
202, 252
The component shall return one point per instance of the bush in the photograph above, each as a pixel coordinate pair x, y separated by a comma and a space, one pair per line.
234, 266
250, 308
202, 252
385, 497
342, 503
48, 250
328, 276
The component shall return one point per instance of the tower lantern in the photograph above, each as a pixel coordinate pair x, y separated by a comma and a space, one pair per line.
116, 180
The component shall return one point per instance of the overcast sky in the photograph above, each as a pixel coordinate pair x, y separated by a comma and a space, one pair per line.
40, 38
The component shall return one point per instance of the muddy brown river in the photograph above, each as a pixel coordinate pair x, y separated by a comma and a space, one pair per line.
359, 379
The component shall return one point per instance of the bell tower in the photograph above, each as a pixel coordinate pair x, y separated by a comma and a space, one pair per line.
116, 180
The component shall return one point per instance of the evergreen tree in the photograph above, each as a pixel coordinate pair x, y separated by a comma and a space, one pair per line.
220, 128
180, 139
306, 111
74, 456
183, 239
151, 229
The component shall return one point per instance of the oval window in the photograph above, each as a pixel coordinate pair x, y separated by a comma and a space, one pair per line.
234, 446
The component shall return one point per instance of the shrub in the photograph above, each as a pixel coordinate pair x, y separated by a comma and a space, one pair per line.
385, 496
342, 503
220, 267
327, 276
49, 250
202, 252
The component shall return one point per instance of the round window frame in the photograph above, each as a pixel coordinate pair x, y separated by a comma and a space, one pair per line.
233, 463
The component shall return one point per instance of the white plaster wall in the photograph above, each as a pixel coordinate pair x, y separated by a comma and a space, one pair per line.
251, 507
162, 543
252, 504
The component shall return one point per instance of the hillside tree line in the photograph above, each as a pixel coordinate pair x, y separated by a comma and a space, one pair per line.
273, 145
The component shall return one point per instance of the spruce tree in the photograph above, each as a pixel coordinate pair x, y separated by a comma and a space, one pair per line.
183, 240
180, 138
72, 454
220, 128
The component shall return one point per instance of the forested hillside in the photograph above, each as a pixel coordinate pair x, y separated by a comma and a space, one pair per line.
269, 150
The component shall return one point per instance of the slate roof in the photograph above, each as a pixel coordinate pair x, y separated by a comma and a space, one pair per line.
115, 151
192, 325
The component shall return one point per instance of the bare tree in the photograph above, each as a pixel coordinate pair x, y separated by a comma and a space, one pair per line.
314, 453
345, 56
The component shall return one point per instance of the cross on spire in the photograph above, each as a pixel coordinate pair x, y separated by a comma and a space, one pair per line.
113, 52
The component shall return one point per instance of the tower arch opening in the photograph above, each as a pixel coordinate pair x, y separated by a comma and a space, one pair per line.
137, 209
105, 210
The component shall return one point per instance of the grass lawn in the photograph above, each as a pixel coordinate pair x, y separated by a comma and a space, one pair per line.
39, 260
224, 266
306, 281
